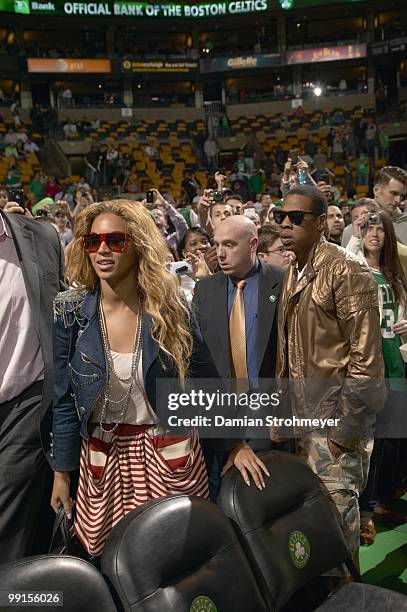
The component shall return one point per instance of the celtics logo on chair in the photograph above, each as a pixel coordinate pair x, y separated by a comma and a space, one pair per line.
203, 604
299, 548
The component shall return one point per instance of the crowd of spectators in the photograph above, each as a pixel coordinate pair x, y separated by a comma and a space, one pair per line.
196, 249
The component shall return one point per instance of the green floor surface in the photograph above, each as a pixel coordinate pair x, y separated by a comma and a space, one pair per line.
384, 563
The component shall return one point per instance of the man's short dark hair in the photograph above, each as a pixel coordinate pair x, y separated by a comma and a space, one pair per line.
233, 196
366, 203
267, 237
314, 195
387, 173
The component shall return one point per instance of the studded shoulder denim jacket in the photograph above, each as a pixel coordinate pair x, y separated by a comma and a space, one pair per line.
80, 371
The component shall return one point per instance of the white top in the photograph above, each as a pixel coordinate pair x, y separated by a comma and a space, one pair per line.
139, 411
300, 273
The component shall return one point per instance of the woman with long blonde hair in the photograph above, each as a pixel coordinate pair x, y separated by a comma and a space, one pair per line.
120, 329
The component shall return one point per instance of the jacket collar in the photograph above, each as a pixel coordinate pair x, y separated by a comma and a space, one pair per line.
317, 259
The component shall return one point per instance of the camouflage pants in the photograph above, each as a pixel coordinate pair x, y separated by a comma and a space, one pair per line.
343, 480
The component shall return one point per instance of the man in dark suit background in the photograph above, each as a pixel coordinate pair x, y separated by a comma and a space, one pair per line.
31, 267
236, 312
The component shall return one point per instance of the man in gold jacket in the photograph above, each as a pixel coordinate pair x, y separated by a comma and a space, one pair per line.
329, 349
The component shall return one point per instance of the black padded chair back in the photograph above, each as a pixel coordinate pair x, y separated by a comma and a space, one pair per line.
179, 554
289, 528
82, 585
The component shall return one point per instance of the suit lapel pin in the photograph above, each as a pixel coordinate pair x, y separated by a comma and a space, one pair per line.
272, 298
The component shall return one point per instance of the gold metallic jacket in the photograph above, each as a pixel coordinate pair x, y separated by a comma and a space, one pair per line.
329, 342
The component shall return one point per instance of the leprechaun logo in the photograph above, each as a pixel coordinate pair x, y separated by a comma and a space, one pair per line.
300, 549
203, 604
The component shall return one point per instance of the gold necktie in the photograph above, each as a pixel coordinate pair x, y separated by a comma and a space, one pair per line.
237, 332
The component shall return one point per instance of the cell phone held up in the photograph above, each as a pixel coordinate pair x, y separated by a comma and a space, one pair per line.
180, 267
150, 196
16, 194
324, 176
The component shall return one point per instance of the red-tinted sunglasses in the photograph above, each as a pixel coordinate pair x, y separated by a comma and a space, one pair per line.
115, 241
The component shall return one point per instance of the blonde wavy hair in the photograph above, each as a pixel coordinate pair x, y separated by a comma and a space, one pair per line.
159, 290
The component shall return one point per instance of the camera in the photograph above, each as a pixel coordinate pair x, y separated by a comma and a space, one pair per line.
371, 218
215, 197
42, 212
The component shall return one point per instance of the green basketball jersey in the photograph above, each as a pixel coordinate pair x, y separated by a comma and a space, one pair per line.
393, 363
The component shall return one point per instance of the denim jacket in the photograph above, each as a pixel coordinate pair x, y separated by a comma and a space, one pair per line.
80, 371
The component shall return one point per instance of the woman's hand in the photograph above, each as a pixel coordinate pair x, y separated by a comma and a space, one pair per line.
220, 179
61, 493
357, 224
400, 327
159, 200
288, 167
247, 462
211, 258
199, 266
204, 201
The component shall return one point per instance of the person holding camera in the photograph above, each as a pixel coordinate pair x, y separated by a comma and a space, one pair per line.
168, 219
193, 247
374, 243
213, 209
389, 190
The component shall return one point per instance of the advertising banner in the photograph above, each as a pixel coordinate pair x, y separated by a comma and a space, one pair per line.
186, 10
136, 66
135, 9
69, 65
227, 64
326, 54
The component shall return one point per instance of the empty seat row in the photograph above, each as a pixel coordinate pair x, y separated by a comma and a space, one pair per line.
253, 552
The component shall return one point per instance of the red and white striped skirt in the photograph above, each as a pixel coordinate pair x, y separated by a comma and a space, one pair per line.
136, 465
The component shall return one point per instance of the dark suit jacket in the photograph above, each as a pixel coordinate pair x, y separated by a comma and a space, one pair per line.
210, 305
41, 258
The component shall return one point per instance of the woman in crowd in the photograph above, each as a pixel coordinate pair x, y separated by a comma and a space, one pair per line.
61, 221
114, 337
169, 220
195, 248
374, 242
82, 199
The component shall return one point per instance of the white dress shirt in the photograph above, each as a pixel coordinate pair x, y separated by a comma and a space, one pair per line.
21, 361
